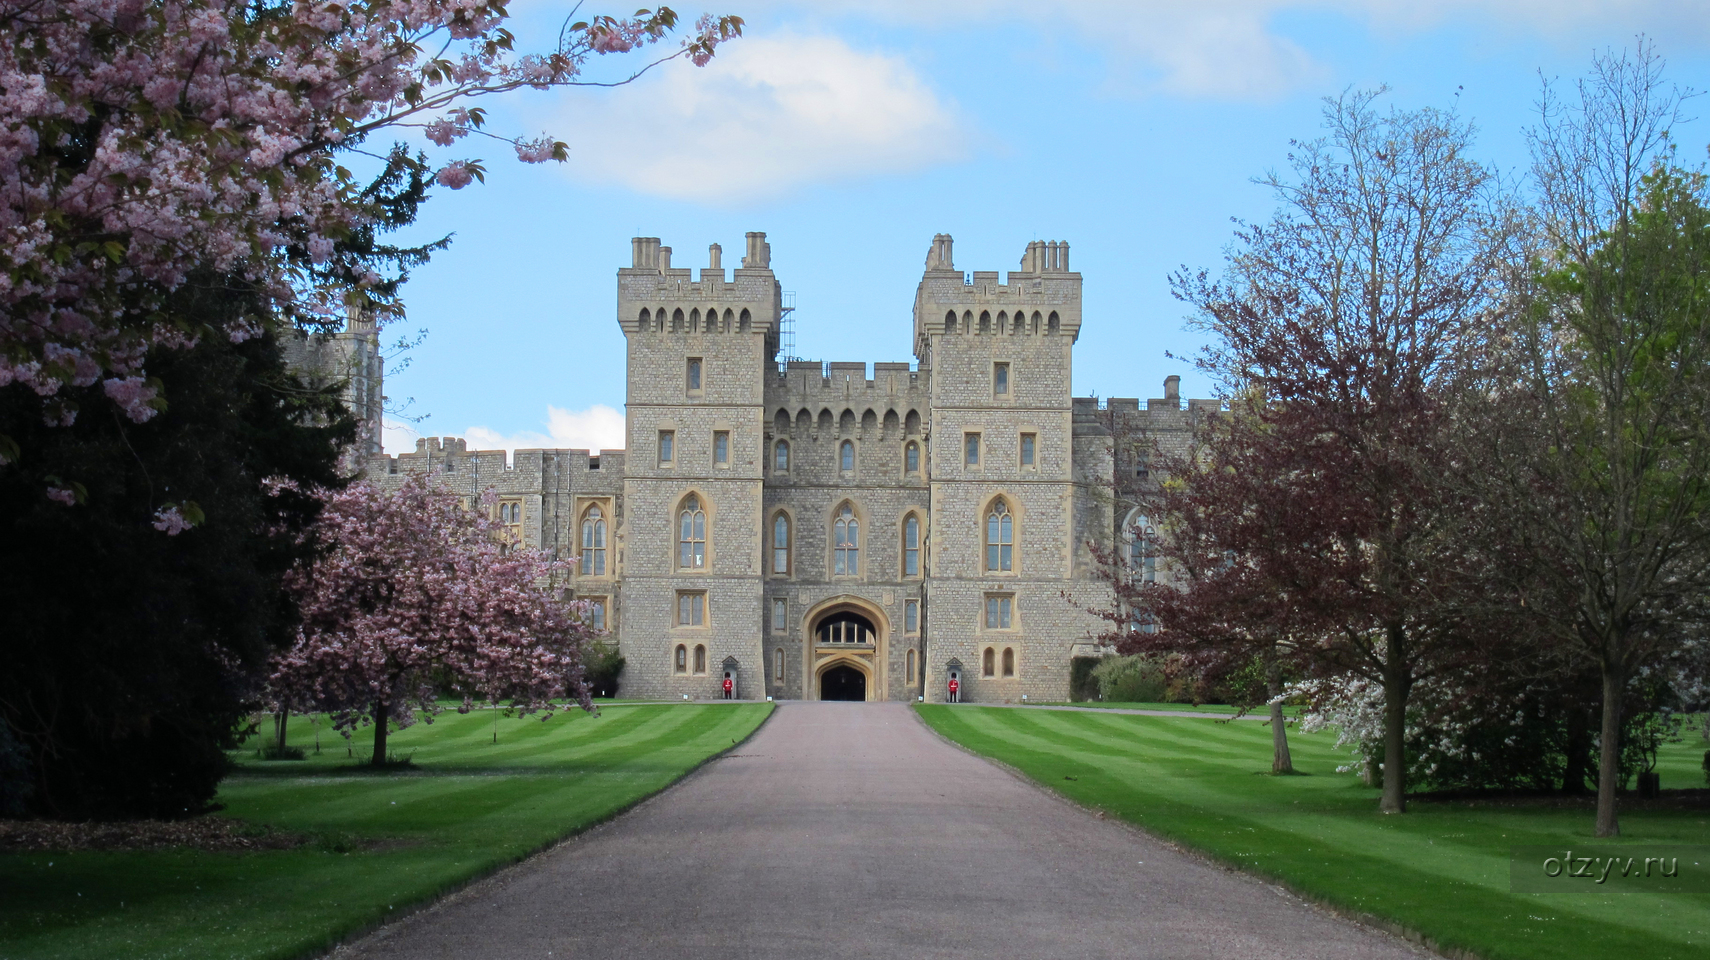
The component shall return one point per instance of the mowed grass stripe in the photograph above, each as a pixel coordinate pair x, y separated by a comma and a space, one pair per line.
1274, 801
467, 811
1441, 869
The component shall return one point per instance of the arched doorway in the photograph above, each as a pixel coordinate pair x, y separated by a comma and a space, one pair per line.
846, 656
843, 682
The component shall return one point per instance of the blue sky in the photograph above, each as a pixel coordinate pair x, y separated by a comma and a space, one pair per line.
853, 132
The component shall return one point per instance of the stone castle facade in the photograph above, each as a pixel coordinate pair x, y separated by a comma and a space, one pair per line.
815, 530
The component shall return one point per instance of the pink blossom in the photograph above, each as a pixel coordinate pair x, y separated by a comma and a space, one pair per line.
442, 132
133, 395
538, 150
171, 521
412, 590
455, 175
252, 185
61, 495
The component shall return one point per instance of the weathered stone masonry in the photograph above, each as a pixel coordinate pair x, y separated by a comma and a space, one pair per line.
917, 521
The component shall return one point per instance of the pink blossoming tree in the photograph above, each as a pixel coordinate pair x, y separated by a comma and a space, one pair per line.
144, 140
414, 596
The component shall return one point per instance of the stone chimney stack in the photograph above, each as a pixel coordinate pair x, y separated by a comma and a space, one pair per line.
664, 259
714, 253
759, 256
644, 252
1173, 389
939, 256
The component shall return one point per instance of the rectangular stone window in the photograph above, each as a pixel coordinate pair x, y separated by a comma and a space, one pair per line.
1029, 441
721, 448
999, 611
691, 608
780, 615
971, 449
596, 612
667, 447
694, 375
911, 616
1000, 379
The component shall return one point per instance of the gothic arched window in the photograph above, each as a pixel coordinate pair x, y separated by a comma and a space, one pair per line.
681, 664
1000, 538
700, 658
846, 541
911, 545
988, 663
846, 456
781, 459
1009, 661
1142, 558
781, 544
911, 457
692, 535
594, 543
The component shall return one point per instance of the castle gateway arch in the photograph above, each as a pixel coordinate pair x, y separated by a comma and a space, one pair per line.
850, 640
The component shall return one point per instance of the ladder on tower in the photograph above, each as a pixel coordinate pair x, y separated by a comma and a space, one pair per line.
787, 329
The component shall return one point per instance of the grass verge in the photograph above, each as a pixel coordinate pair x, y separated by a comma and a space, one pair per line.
1441, 870
1212, 709
380, 842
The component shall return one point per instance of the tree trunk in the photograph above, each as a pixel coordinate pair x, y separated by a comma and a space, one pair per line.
380, 717
280, 720
1609, 752
1281, 762
1395, 690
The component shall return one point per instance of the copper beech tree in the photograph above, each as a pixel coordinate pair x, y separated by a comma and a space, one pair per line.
415, 597
1311, 527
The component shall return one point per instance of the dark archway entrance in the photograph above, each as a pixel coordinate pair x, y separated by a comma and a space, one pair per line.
843, 683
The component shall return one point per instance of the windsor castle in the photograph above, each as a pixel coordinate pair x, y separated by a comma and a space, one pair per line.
825, 530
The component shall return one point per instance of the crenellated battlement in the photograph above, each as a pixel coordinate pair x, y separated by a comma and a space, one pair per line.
1043, 298
451, 458
1128, 414
811, 380
655, 297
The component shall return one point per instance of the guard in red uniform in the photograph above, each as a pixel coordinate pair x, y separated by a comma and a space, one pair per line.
729, 688
955, 696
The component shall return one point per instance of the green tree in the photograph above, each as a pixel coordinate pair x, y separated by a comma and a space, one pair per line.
125, 681
1605, 469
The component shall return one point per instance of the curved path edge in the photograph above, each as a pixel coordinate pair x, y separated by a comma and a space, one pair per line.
1376, 923
357, 939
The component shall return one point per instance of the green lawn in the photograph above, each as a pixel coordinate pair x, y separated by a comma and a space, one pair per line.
471, 807
1441, 869
1216, 709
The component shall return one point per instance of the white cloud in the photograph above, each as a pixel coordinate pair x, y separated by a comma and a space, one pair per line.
769, 114
1231, 49
597, 428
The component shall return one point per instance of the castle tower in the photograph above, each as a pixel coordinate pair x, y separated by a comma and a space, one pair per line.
1002, 486
692, 494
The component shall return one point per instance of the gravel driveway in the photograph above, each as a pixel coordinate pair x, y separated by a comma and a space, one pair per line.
851, 830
